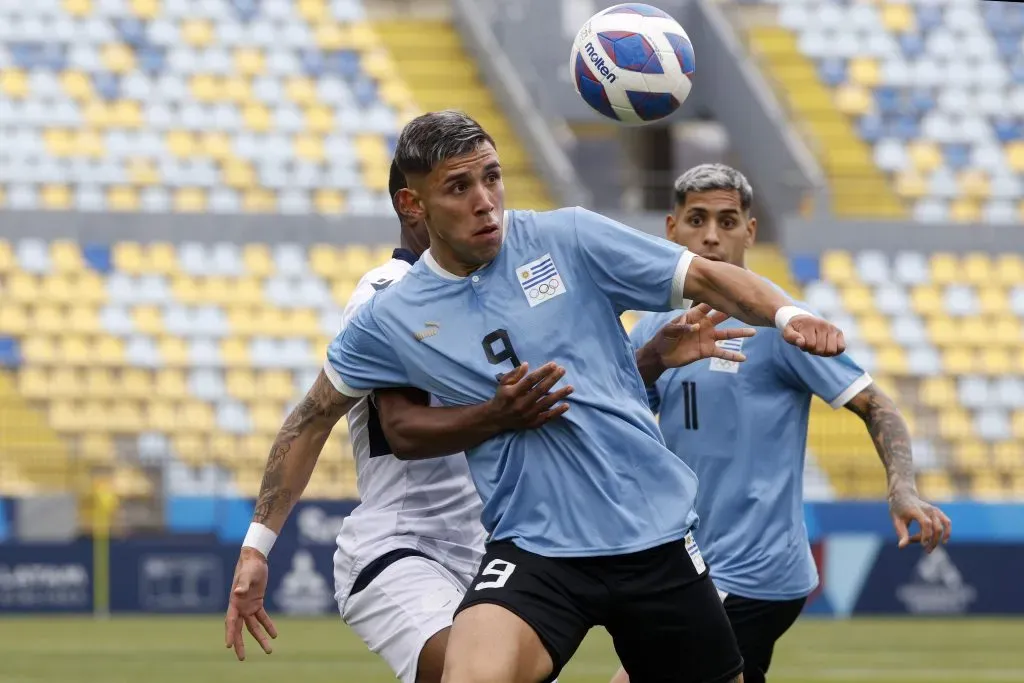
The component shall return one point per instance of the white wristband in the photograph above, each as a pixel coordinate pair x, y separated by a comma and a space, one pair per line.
259, 537
787, 313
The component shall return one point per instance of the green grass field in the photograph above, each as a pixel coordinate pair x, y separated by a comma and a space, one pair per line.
189, 650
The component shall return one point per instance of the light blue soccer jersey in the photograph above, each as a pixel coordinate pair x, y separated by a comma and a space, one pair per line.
598, 481
742, 428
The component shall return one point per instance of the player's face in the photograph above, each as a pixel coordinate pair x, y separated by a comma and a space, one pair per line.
463, 201
714, 225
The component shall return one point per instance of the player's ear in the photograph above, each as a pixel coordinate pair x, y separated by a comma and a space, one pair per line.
408, 204
751, 232
670, 227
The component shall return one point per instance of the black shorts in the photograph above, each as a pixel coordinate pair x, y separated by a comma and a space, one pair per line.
665, 619
757, 625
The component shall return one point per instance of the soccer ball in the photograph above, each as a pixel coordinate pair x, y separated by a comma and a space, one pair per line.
632, 63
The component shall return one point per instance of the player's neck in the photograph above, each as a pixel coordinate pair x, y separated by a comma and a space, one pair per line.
449, 263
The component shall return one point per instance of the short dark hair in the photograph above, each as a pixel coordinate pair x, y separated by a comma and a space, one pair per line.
708, 177
396, 179
431, 139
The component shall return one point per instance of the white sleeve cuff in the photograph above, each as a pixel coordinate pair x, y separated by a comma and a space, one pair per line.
678, 300
858, 385
339, 383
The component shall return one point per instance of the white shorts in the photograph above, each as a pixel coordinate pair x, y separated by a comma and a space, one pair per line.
402, 608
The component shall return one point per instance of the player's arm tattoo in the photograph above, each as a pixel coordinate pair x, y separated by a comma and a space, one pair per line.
890, 433
296, 450
733, 290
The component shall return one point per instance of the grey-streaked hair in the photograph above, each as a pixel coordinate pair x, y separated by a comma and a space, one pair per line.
433, 138
708, 177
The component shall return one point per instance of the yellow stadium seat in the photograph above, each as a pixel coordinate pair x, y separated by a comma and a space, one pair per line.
266, 418
162, 258
1008, 456
945, 269
148, 320
160, 416
363, 36
874, 328
97, 449
309, 148
34, 383
122, 199
190, 200
245, 291
215, 146
256, 118
275, 385
1017, 485
837, 267
1018, 361
77, 85
242, 320
234, 352
56, 197
22, 287
330, 36
1015, 155
911, 184
6, 257
976, 268
171, 384
371, 150
258, 200
893, 360
214, 290
197, 33
302, 322
269, 322
357, 259
58, 288
237, 90
197, 416
89, 143
65, 415
955, 424
223, 447
74, 350
324, 261
83, 320
925, 155
47, 319
249, 61
59, 143
987, 486
13, 318
974, 331
66, 382
181, 144
959, 361
1009, 269
142, 172
301, 90
126, 114
241, 384
974, 185
66, 256
190, 448
77, 8
109, 351
341, 291
99, 383
853, 100
926, 300
146, 9
118, 58
206, 88
136, 383
1006, 331
329, 202
320, 120
14, 82
992, 299
127, 257
173, 352
970, 454
88, 288
238, 175
898, 18
965, 210
936, 486
1020, 210
864, 71
1017, 424
257, 260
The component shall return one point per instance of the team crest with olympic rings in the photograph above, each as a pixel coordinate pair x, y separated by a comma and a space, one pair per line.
540, 280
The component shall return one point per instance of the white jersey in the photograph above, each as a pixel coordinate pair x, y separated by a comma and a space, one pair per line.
428, 505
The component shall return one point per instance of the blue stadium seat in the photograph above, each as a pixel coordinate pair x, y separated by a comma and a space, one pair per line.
957, 156
912, 45
929, 17
871, 128
97, 257
805, 267
10, 352
246, 9
152, 59
1007, 128
905, 128
344, 63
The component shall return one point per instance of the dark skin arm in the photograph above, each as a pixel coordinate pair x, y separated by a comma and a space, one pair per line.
415, 430
892, 441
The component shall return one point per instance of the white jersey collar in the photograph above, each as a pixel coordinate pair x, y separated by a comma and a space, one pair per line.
440, 271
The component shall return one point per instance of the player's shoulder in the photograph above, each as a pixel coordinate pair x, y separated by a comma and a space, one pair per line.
375, 282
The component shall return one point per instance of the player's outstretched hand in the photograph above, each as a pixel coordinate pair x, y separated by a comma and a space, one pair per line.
245, 605
906, 507
524, 399
814, 335
692, 336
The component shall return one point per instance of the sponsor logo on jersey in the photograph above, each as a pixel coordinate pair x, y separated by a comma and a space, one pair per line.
937, 587
382, 283
540, 280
